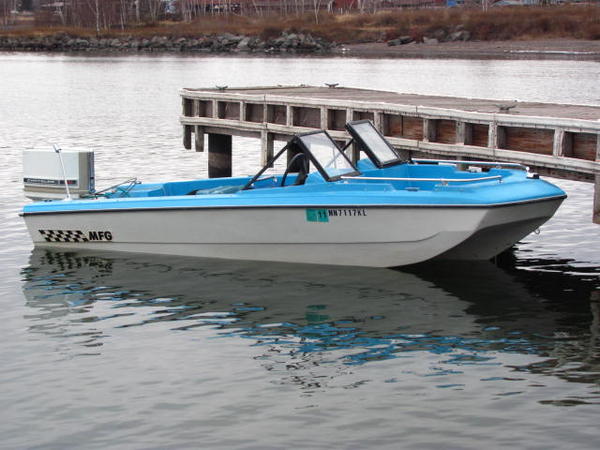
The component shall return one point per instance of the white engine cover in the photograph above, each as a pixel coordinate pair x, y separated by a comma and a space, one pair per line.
43, 176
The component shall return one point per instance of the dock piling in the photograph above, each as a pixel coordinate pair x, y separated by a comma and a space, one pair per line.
219, 155
187, 137
596, 214
596, 217
198, 138
267, 143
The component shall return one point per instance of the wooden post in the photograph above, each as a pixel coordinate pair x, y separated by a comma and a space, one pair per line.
492, 129
496, 136
500, 137
198, 138
461, 128
187, 137
468, 134
597, 199
324, 117
349, 115
596, 216
429, 130
378, 120
353, 151
188, 107
242, 111
219, 155
464, 133
558, 143
266, 146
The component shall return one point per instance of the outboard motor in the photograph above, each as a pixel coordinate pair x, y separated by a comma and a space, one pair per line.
55, 174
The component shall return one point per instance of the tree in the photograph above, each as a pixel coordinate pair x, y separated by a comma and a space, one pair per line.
316, 6
94, 6
7, 10
154, 8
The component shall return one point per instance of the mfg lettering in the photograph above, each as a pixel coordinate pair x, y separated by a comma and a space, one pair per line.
100, 236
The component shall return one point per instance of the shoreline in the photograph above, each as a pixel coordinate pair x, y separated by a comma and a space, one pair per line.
290, 45
530, 49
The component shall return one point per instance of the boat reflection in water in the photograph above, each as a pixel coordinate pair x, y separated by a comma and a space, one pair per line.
305, 317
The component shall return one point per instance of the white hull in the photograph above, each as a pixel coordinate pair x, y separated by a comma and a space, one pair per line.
501, 228
354, 236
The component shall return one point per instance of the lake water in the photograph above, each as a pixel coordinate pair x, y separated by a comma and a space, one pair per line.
121, 351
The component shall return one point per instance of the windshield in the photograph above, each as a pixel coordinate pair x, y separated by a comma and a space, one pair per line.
321, 151
373, 142
327, 154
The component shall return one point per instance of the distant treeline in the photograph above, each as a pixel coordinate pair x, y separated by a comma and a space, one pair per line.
499, 23
97, 14
104, 15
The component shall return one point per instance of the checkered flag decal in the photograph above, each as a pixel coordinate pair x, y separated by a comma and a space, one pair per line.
63, 235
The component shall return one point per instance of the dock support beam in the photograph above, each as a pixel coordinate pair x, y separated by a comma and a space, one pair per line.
597, 200
187, 137
429, 130
596, 216
266, 146
496, 136
353, 152
198, 138
219, 155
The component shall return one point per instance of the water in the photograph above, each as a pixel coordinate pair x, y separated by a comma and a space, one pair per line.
106, 350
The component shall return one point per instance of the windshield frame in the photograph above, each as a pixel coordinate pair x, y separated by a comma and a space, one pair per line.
364, 146
297, 142
298, 139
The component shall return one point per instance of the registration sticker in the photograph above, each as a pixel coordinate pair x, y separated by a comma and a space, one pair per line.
317, 215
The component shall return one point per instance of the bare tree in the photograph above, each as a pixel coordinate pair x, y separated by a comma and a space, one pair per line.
188, 9
99, 14
316, 6
256, 8
123, 13
94, 6
153, 7
60, 12
7, 10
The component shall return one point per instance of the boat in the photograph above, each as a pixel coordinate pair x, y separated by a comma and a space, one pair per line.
387, 210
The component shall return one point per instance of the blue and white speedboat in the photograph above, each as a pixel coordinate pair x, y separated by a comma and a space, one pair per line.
383, 212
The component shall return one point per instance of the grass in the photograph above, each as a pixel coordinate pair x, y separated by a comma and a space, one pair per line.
505, 23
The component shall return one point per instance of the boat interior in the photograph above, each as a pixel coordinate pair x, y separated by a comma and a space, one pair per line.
316, 162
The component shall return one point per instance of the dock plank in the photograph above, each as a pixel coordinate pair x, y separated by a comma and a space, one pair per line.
583, 112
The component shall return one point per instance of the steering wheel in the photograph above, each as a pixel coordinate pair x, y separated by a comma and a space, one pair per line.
302, 173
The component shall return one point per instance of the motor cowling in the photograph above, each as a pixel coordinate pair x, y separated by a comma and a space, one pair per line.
45, 179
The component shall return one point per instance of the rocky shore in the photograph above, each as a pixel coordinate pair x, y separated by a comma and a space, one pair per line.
457, 43
223, 43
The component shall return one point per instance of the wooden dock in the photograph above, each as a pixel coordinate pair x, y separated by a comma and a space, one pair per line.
554, 140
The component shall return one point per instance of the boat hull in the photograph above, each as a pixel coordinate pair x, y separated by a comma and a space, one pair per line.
501, 229
376, 236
